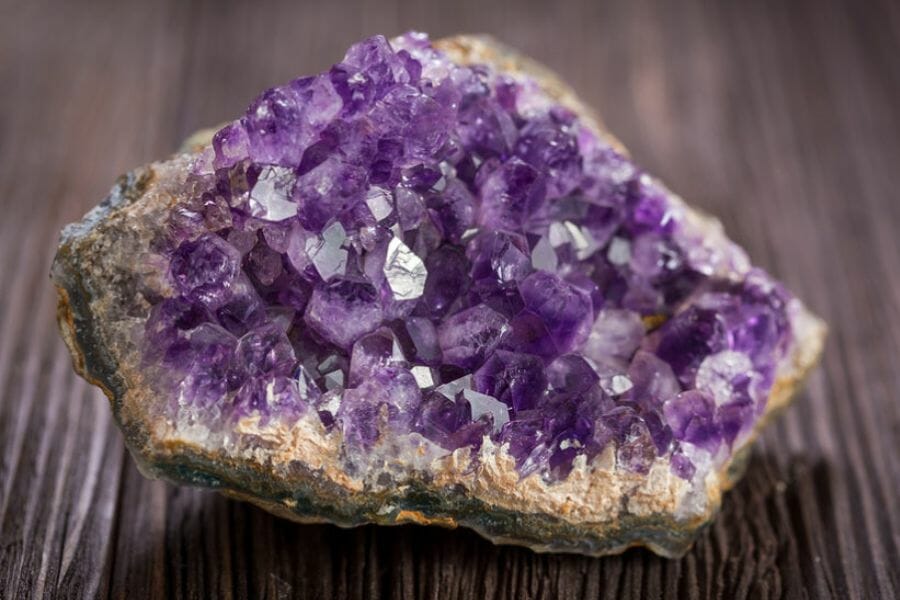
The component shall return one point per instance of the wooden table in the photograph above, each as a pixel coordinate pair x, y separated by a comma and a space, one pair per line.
783, 120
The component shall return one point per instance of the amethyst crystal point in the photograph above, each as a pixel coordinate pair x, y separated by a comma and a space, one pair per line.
516, 379
343, 309
426, 285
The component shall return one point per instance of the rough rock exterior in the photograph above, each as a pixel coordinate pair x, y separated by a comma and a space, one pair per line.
427, 286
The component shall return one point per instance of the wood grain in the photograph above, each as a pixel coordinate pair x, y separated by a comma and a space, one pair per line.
782, 118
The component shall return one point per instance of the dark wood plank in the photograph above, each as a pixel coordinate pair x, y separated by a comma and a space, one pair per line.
782, 119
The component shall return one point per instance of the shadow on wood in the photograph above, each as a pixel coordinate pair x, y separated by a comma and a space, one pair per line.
265, 555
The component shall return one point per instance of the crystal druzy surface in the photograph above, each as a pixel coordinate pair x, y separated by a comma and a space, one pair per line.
406, 246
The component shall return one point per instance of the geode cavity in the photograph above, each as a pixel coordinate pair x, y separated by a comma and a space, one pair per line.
425, 285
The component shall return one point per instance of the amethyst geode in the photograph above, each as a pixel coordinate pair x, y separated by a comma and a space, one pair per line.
425, 285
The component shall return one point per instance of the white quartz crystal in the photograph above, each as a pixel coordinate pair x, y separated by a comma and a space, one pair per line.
482, 404
327, 253
404, 271
718, 372
380, 203
543, 257
270, 198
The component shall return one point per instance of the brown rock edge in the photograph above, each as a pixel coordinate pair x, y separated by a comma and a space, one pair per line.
297, 473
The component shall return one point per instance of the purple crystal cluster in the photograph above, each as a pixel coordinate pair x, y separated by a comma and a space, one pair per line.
406, 245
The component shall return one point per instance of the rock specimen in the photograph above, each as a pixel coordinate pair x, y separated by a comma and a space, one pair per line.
427, 286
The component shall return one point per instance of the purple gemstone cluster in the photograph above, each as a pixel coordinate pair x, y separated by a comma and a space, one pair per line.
406, 245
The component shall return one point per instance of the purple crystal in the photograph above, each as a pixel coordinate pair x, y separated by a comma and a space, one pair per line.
652, 380
516, 379
371, 353
205, 268
241, 307
167, 328
511, 196
266, 397
448, 422
418, 337
528, 333
636, 449
389, 398
546, 145
266, 350
565, 309
616, 334
416, 247
344, 309
327, 191
469, 337
484, 126
448, 274
212, 369
691, 416
682, 465
570, 376
452, 210
499, 261
690, 337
